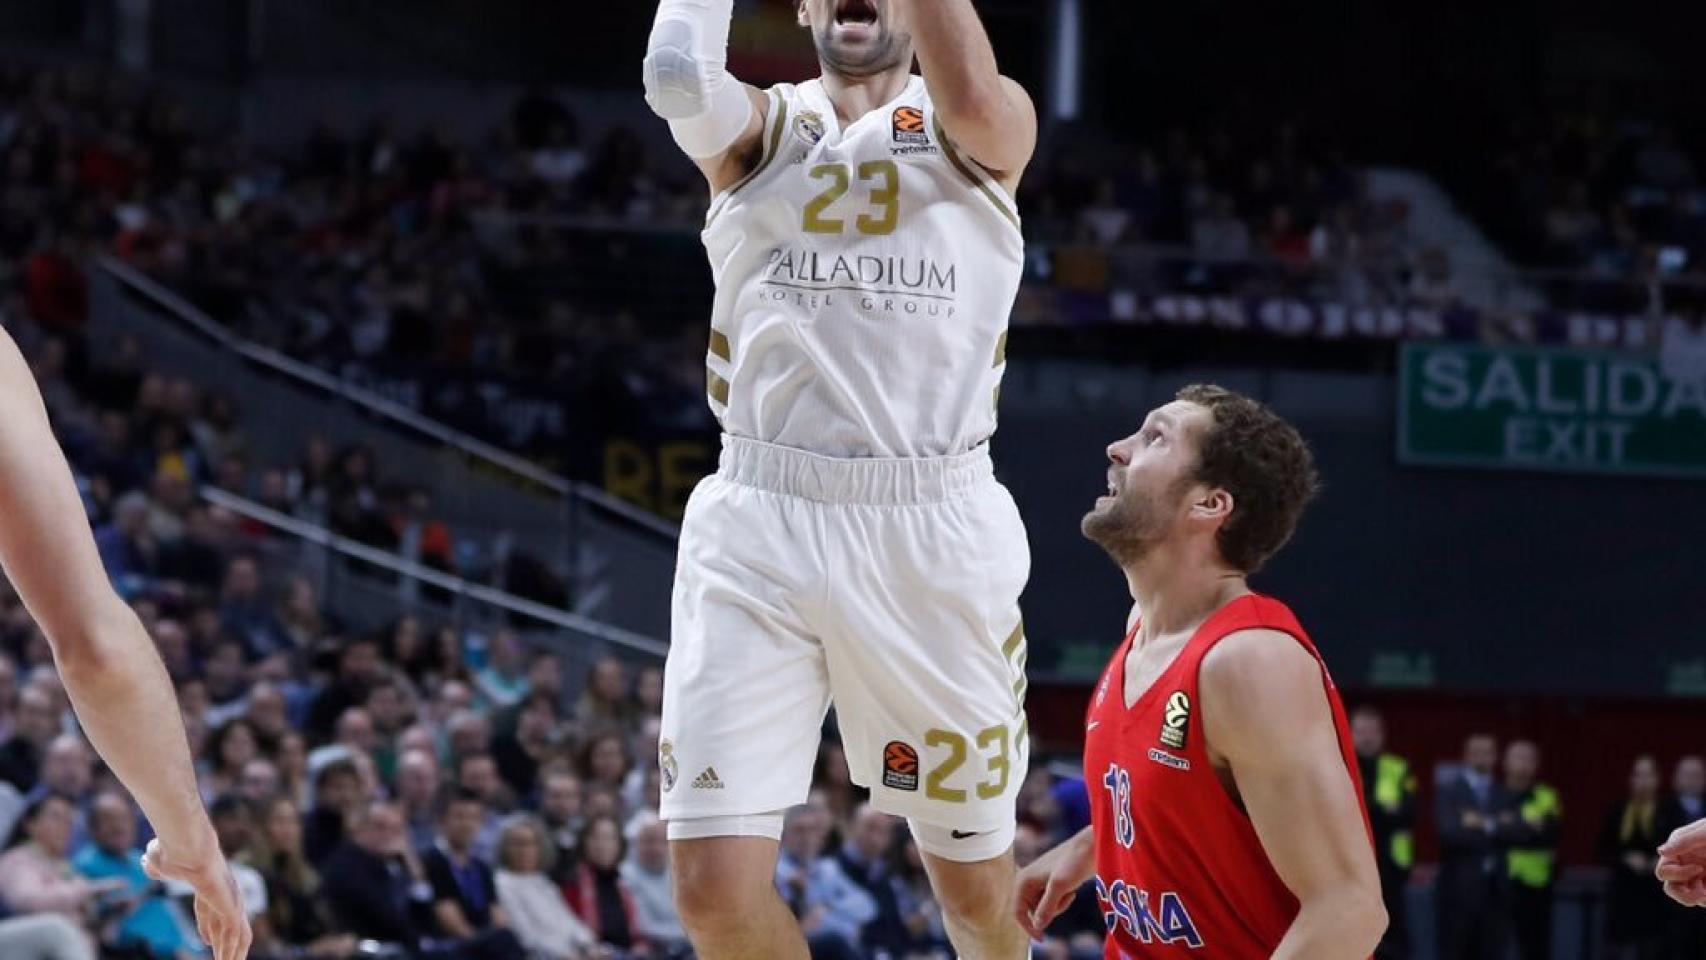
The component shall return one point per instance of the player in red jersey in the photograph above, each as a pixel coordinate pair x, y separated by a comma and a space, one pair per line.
1226, 816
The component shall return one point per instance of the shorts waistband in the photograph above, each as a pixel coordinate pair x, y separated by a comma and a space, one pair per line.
875, 482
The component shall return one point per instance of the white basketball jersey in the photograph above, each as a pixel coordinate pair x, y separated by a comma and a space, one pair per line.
864, 281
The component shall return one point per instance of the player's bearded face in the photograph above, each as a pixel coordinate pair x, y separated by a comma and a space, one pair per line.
1137, 515
1148, 489
857, 38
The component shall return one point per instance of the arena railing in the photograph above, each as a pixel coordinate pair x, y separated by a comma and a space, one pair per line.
614, 559
1086, 283
369, 589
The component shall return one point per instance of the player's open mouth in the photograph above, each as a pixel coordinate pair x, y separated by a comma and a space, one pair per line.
1113, 491
855, 13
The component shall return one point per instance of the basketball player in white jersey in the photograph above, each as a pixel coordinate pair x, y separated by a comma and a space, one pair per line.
854, 545
115, 679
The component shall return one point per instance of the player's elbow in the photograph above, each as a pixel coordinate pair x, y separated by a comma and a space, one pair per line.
674, 79
1352, 910
1376, 920
1363, 916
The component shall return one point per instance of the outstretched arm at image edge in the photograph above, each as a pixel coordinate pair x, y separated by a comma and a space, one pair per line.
119, 687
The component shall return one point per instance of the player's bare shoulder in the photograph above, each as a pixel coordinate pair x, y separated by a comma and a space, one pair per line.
1256, 682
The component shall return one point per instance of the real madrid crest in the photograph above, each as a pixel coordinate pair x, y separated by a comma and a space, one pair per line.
810, 125
667, 767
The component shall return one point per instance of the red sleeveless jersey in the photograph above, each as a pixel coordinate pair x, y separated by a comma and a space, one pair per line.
1179, 869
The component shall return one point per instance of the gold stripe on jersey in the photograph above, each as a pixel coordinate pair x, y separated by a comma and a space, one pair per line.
966, 170
1001, 350
1013, 640
717, 387
720, 347
779, 123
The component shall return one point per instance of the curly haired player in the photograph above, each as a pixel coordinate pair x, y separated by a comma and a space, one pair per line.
1226, 814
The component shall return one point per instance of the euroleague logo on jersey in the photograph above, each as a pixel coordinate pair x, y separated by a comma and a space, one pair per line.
1176, 720
911, 135
900, 766
909, 126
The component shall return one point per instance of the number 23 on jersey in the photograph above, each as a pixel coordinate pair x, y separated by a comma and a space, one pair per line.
879, 184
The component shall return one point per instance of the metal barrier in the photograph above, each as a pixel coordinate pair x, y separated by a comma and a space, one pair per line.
462, 591
371, 589
615, 560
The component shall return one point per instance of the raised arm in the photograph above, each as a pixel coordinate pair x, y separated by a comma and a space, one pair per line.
1265, 710
716, 120
986, 114
110, 668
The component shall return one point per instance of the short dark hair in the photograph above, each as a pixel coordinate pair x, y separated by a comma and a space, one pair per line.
227, 805
1254, 454
461, 795
33, 810
343, 767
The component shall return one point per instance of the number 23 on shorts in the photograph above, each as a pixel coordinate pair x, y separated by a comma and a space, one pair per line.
998, 764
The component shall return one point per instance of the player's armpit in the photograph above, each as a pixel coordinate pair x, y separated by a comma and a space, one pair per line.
1265, 710
732, 165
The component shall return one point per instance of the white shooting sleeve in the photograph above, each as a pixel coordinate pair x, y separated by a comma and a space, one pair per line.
686, 79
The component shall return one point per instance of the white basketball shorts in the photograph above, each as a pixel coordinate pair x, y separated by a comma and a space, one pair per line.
890, 587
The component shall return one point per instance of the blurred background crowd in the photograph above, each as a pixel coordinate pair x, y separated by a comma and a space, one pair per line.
445, 210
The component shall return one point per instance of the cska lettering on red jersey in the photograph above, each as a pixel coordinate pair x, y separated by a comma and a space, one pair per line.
1180, 871
1127, 908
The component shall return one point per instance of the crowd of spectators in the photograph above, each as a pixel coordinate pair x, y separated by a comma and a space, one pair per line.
378, 246
442, 788
1617, 208
383, 788
353, 245
1499, 823
446, 789
1226, 207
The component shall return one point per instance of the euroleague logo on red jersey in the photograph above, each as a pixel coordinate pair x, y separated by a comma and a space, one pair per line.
1176, 720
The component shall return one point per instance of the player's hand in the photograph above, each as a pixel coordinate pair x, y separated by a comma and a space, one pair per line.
1682, 865
1686, 844
219, 913
1047, 886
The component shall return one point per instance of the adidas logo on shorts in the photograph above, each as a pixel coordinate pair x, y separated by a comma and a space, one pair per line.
708, 780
